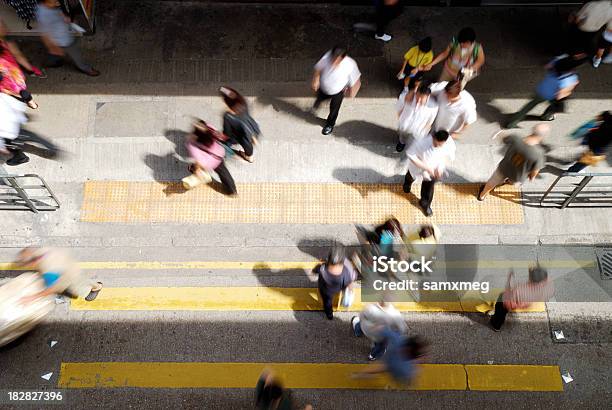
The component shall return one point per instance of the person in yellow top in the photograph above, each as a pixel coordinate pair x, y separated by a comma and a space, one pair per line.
414, 61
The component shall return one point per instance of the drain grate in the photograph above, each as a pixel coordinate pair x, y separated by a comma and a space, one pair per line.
604, 257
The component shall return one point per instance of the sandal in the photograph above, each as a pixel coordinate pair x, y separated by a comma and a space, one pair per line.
245, 157
93, 294
33, 105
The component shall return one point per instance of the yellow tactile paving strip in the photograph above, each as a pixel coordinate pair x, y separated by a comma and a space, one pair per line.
177, 375
292, 203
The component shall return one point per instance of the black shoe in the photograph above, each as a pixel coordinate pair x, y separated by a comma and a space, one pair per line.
407, 188
548, 117
426, 210
327, 130
478, 195
329, 315
17, 160
400, 147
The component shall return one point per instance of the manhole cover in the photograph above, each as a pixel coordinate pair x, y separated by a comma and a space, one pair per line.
604, 258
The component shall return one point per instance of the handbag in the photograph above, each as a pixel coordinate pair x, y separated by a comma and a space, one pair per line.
348, 296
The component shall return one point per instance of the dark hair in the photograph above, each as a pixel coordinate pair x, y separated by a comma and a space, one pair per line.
565, 65
233, 100
270, 392
393, 225
338, 51
453, 87
336, 255
415, 347
203, 137
426, 231
537, 274
425, 44
466, 34
606, 116
424, 89
441, 135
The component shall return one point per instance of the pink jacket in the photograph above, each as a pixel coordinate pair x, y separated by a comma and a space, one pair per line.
209, 157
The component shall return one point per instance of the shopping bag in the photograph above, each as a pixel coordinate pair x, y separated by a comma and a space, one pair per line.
348, 296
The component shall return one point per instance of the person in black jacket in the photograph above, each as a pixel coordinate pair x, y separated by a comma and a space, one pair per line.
598, 139
238, 124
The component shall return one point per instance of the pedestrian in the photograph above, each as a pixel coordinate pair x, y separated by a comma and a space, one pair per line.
586, 23
428, 159
13, 64
270, 394
61, 274
205, 149
416, 114
597, 139
400, 359
464, 57
523, 159
336, 275
335, 75
604, 48
557, 86
238, 124
415, 60
373, 320
456, 108
57, 37
386, 10
12, 113
537, 289
423, 240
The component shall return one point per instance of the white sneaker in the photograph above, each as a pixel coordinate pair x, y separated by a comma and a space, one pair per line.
596, 62
384, 37
608, 59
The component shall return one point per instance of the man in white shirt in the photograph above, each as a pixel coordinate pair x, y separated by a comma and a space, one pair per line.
428, 159
335, 75
587, 22
416, 113
456, 108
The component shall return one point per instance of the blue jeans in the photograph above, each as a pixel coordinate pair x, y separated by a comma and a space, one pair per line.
378, 348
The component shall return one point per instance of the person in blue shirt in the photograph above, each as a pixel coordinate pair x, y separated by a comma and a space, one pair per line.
558, 84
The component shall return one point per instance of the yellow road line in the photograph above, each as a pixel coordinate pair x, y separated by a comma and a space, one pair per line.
304, 376
244, 298
295, 203
305, 265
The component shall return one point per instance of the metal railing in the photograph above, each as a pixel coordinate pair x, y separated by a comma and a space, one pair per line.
26, 192
603, 195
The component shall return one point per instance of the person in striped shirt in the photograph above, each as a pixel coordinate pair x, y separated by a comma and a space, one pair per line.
537, 289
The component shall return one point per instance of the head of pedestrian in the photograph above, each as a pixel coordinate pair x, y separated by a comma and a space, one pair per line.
537, 274
422, 94
539, 132
466, 38
335, 259
453, 90
202, 133
427, 231
440, 137
425, 45
337, 54
393, 226
233, 100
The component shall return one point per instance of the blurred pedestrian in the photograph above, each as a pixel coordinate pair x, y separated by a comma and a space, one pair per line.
401, 357
604, 48
335, 75
524, 158
586, 23
238, 124
423, 240
58, 38
597, 139
336, 275
60, 272
386, 10
415, 60
270, 394
428, 160
13, 64
456, 108
373, 320
537, 289
556, 87
205, 149
12, 113
416, 114
464, 57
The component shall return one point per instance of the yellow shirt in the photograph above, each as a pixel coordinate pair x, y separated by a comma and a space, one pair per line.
416, 57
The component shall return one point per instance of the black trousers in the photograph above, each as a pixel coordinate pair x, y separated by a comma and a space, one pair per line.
334, 105
327, 296
226, 179
245, 143
384, 14
499, 317
427, 189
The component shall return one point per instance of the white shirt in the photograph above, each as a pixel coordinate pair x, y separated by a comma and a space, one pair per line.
374, 318
334, 79
12, 115
434, 157
416, 119
594, 15
452, 116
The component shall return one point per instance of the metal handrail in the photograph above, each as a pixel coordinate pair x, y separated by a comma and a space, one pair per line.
587, 177
30, 202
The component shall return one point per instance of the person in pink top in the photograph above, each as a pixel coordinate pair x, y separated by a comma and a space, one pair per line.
207, 153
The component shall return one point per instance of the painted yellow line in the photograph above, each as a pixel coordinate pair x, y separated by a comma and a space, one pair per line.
303, 376
244, 298
305, 265
294, 203
514, 378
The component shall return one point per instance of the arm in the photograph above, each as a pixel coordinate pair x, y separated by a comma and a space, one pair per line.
21, 59
567, 91
403, 67
509, 280
43, 293
316, 80
53, 48
457, 134
420, 164
440, 57
354, 89
480, 60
